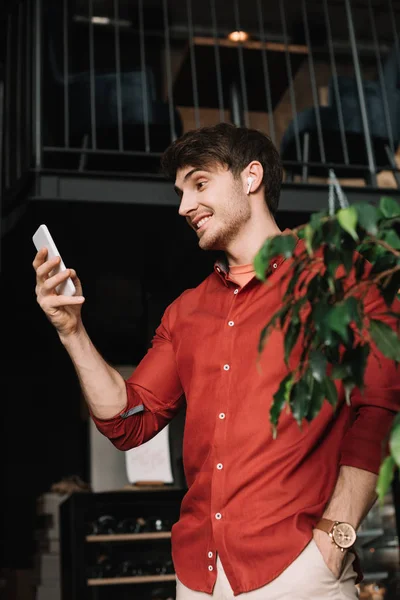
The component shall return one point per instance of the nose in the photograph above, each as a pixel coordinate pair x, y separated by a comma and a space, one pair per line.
188, 204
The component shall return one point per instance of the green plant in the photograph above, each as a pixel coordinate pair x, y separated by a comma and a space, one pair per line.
346, 251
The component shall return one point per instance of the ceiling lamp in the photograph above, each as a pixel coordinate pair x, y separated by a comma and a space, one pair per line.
238, 36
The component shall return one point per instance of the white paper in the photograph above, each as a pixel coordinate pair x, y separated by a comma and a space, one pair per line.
150, 461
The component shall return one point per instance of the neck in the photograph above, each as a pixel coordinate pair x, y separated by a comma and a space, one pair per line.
251, 237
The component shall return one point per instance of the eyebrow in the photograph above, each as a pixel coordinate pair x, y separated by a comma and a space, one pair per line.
187, 176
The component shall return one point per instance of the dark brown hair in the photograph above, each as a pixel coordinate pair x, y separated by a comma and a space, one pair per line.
228, 145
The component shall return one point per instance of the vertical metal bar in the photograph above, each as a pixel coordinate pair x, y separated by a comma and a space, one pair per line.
394, 20
361, 97
18, 121
267, 82
169, 74
313, 85
1, 158
145, 96
193, 64
290, 78
306, 154
241, 67
7, 121
392, 163
381, 77
217, 62
38, 84
117, 50
92, 79
28, 83
66, 73
335, 82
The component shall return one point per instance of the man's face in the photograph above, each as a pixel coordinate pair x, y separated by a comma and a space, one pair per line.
213, 203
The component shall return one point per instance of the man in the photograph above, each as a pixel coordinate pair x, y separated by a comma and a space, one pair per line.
250, 522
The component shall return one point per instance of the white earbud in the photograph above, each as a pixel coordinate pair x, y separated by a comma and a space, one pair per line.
250, 182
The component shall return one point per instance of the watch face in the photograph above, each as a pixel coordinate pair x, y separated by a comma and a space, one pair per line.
344, 535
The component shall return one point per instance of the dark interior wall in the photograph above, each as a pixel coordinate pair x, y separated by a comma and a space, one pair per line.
133, 261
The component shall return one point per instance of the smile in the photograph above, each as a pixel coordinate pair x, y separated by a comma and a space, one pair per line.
202, 222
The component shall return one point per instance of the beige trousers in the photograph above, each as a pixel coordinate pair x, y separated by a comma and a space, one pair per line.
307, 578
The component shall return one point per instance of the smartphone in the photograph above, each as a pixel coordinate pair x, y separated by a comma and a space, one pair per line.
42, 239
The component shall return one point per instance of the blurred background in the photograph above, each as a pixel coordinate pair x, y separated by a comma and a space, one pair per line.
91, 93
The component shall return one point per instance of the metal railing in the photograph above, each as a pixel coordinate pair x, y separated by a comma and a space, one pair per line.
112, 90
16, 63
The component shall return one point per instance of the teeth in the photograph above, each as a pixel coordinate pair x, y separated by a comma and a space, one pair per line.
202, 221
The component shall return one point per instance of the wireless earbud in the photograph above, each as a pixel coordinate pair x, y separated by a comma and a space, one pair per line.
250, 182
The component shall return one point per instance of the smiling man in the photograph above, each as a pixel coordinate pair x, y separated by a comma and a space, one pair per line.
262, 519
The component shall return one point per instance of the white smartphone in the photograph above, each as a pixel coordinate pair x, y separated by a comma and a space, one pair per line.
42, 239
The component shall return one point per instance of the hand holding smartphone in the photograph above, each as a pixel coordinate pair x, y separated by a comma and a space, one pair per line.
43, 239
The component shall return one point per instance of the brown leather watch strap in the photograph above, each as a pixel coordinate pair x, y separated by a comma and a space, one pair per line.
325, 525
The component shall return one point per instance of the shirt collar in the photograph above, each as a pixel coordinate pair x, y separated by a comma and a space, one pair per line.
221, 266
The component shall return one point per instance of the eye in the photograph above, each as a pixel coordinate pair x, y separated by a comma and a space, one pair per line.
200, 184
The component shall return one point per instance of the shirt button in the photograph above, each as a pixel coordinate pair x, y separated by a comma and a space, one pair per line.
236, 291
222, 415
210, 555
220, 466
274, 265
226, 367
210, 568
231, 323
218, 516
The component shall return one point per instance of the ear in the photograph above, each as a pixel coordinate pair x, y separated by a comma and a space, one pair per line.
252, 177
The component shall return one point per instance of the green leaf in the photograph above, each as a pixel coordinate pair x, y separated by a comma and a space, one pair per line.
359, 267
347, 218
355, 362
340, 371
263, 338
318, 364
273, 246
385, 478
291, 337
383, 263
389, 289
389, 207
308, 237
300, 399
394, 441
391, 238
284, 245
260, 264
385, 338
367, 217
317, 399
279, 400
330, 391
354, 307
338, 318
331, 260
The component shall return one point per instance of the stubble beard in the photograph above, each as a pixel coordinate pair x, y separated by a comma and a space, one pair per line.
230, 220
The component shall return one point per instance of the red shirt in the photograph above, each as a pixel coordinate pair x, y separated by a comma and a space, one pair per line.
252, 499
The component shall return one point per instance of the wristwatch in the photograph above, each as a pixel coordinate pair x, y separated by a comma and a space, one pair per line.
342, 534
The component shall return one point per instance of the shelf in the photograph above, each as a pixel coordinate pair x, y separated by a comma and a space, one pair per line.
126, 580
129, 537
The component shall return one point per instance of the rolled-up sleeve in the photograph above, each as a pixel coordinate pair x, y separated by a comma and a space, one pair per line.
154, 395
366, 442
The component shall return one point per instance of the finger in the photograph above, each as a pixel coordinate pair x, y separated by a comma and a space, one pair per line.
44, 270
49, 302
40, 258
77, 282
49, 285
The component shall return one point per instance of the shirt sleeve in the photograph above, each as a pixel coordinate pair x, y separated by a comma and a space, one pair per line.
154, 395
373, 410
